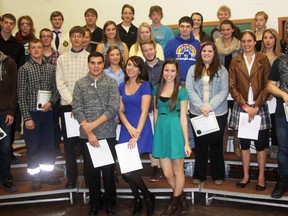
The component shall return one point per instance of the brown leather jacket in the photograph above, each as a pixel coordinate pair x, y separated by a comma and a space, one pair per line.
239, 79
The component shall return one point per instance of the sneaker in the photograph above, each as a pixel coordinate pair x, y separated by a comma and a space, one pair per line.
156, 174
8, 186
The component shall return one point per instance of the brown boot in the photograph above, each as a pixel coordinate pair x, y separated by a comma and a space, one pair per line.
173, 207
184, 205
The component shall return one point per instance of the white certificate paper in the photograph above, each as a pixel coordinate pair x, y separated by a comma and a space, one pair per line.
272, 105
72, 125
249, 130
100, 156
204, 125
286, 111
42, 98
129, 159
2, 133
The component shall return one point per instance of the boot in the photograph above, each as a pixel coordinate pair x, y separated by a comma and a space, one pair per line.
172, 207
150, 204
137, 206
183, 204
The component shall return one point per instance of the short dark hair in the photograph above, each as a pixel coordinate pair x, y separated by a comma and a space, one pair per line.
9, 16
95, 54
186, 19
76, 29
56, 14
92, 11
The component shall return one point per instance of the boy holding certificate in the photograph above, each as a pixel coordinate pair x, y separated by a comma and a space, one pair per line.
95, 105
35, 77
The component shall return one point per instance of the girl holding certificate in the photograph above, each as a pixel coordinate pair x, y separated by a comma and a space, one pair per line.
248, 75
207, 86
272, 49
171, 142
135, 98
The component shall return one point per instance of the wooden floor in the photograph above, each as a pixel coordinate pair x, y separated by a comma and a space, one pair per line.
125, 205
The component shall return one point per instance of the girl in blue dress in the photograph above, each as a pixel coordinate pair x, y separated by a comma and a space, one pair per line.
135, 98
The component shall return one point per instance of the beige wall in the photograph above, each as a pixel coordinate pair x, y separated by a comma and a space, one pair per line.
73, 10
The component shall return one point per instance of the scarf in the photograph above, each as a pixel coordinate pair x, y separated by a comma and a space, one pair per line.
24, 39
222, 50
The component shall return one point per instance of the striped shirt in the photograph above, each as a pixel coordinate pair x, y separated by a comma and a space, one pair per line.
33, 77
71, 66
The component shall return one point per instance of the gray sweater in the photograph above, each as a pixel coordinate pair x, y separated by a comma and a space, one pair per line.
93, 98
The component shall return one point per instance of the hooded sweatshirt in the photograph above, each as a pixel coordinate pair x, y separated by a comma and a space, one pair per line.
8, 85
185, 51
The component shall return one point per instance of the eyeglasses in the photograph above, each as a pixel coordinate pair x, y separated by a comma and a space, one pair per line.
46, 36
76, 36
25, 24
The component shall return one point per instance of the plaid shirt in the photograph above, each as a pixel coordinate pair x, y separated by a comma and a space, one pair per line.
33, 77
52, 59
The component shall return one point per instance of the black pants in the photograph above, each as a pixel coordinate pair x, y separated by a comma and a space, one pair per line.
93, 176
211, 144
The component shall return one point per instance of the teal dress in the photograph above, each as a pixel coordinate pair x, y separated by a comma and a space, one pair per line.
168, 136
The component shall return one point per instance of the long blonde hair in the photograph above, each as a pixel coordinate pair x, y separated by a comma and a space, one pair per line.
277, 46
139, 41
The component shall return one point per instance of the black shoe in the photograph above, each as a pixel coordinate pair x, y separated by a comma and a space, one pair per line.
242, 185
111, 210
94, 210
279, 190
71, 184
260, 187
150, 204
8, 186
138, 207
36, 184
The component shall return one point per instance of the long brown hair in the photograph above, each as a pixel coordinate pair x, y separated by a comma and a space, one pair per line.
177, 84
213, 68
104, 36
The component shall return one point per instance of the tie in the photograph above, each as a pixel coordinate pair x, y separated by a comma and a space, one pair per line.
57, 39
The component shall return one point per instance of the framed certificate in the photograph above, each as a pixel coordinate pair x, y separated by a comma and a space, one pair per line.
205, 124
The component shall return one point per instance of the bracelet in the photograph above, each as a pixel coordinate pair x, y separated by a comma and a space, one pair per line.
244, 106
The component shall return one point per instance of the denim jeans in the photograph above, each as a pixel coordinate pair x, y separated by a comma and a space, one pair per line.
5, 150
40, 140
282, 137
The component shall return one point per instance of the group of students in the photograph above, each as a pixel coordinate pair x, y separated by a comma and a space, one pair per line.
126, 79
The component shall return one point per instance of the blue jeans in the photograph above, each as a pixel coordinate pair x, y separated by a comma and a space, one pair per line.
282, 137
40, 140
5, 150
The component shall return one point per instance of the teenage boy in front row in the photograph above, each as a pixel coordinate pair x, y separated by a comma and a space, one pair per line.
95, 106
